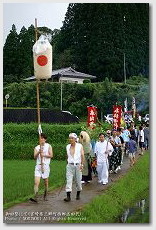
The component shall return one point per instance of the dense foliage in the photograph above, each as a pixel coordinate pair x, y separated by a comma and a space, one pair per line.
76, 97
93, 39
98, 35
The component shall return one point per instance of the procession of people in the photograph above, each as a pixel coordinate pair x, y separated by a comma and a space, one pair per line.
107, 155
85, 161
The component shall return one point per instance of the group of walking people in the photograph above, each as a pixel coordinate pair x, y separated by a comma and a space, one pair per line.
85, 160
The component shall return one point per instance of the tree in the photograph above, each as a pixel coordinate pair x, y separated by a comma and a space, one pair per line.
10, 53
25, 54
105, 96
99, 35
18, 52
94, 39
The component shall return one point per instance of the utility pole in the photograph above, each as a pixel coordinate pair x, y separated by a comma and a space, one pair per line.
124, 68
124, 20
61, 95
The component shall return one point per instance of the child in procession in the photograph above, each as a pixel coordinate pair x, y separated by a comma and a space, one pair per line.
132, 149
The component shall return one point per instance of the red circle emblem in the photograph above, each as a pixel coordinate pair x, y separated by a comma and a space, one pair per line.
42, 60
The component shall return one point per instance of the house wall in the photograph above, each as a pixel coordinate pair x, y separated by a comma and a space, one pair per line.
71, 80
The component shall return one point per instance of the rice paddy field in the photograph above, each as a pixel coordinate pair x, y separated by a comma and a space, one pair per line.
18, 179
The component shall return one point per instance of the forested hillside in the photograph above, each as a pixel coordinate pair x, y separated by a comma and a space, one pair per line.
94, 39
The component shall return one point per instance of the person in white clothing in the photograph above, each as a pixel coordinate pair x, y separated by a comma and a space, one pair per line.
141, 140
43, 154
103, 149
75, 161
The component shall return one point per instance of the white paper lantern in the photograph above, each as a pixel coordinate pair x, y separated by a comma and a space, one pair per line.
42, 54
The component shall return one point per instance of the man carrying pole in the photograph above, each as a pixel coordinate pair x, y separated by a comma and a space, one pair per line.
43, 154
42, 54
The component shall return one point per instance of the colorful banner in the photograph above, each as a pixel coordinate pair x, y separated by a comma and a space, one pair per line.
92, 116
117, 115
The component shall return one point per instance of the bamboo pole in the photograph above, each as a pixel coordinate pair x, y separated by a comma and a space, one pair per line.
36, 29
38, 104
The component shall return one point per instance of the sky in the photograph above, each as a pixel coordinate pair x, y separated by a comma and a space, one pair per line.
50, 15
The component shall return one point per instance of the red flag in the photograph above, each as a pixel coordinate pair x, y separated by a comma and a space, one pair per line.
117, 114
92, 116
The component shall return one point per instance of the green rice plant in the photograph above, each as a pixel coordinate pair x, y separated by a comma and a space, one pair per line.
18, 179
19, 140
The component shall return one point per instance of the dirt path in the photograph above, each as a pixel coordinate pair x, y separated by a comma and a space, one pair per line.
55, 208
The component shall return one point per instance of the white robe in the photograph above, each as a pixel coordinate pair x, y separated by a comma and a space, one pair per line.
102, 150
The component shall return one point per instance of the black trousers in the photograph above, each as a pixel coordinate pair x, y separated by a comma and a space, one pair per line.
89, 176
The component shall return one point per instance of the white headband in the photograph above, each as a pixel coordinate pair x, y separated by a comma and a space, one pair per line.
73, 135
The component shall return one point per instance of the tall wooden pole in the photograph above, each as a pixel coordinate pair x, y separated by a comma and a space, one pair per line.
61, 95
35, 29
38, 103
37, 81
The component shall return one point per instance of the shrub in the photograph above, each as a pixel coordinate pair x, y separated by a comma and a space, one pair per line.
87, 81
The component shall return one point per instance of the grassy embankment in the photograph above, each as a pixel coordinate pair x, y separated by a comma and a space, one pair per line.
123, 194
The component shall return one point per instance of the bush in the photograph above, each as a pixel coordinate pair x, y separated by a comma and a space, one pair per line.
76, 97
87, 81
